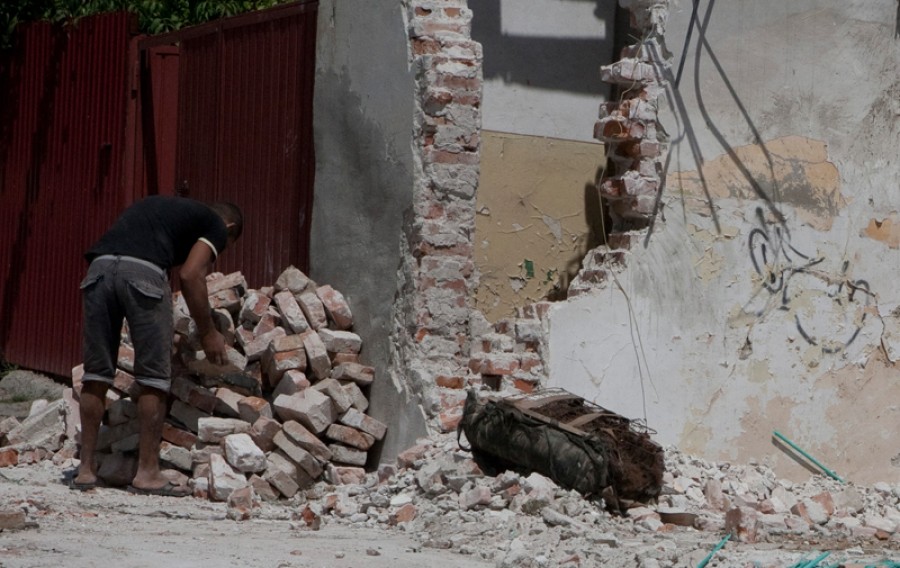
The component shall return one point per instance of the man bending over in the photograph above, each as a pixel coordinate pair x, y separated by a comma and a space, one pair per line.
128, 279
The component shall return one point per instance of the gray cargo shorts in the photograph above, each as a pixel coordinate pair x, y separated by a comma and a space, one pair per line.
119, 288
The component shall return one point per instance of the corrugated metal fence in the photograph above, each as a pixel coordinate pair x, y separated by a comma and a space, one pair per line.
61, 185
245, 130
93, 118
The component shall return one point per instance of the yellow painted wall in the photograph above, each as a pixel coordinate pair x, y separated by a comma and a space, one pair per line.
538, 214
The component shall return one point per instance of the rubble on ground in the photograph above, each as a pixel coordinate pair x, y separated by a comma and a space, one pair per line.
437, 494
285, 427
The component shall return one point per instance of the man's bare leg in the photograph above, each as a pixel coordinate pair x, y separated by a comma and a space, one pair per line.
92, 405
152, 414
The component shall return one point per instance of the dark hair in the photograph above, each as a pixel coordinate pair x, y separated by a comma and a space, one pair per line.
230, 213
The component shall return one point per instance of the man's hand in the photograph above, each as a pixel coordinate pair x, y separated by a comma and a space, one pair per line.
213, 344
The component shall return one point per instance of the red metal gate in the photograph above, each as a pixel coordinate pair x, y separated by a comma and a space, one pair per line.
93, 118
63, 139
244, 129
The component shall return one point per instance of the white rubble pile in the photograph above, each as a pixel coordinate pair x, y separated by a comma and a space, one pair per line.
438, 494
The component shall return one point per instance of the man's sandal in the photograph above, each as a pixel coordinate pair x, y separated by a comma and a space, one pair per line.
167, 490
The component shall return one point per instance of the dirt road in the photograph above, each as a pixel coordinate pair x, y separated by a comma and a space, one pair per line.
110, 527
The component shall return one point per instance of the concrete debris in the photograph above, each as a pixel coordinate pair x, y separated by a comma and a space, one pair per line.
304, 450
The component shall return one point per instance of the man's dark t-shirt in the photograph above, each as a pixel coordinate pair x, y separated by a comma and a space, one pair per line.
162, 230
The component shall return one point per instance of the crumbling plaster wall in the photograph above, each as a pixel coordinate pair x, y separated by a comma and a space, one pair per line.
766, 297
397, 120
537, 210
363, 120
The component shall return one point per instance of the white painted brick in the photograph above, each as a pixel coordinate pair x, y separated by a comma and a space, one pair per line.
291, 312
243, 454
360, 374
223, 479
307, 440
336, 393
313, 309
346, 455
213, 430
337, 341
335, 306
360, 421
298, 455
309, 407
317, 355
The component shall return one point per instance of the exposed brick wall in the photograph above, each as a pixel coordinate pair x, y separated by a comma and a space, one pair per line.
637, 144
432, 314
629, 126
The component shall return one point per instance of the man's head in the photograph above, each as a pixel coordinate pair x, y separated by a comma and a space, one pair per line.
234, 219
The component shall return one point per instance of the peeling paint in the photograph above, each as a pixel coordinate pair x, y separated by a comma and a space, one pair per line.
885, 230
536, 201
791, 170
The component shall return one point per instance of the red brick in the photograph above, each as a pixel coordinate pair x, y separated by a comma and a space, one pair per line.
404, 514
523, 385
450, 382
408, 457
338, 358
9, 457
449, 420
178, 436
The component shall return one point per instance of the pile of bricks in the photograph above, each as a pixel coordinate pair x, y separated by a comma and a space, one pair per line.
287, 409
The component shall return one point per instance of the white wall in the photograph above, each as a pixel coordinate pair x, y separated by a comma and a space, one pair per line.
542, 64
793, 110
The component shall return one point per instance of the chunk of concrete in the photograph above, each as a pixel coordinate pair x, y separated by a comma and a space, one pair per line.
45, 429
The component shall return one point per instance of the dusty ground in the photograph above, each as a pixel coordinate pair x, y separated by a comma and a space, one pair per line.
109, 527
112, 527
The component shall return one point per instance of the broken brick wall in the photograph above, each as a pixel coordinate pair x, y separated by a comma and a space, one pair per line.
437, 273
748, 283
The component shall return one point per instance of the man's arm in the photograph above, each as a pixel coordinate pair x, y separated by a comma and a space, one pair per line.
193, 287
